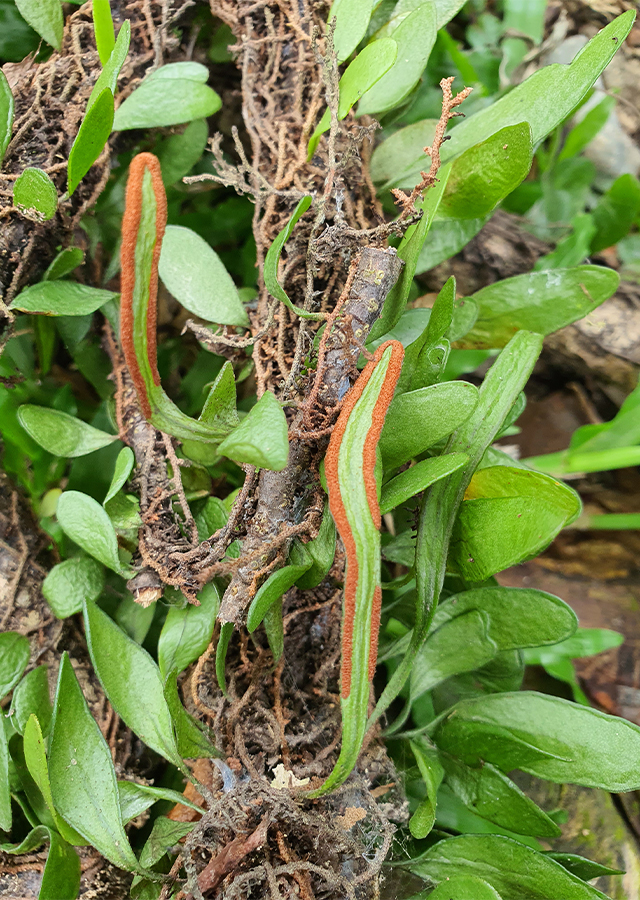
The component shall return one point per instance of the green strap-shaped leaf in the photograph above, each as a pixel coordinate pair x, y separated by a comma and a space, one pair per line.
431, 770
108, 78
273, 258
143, 226
499, 391
36, 760
6, 115
93, 135
418, 478
351, 502
5, 792
277, 584
226, 630
61, 873
104, 32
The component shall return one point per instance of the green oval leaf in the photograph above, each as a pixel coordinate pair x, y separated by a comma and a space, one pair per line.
540, 301
120, 663
6, 115
585, 642
583, 868
195, 275
83, 780
171, 95
446, 238
511, 868
31, 697
397, 161
70, 582
322, 551
60, 433
45, 17
261, 439
93, 135
487, 172
124, 466
419, 419
464, 887
14, 656
187, 632
273, 258
518, 617
416, 479
85, 522
35, 195
509, 515
64, 263
582, 745
488, 792
352, 20
415, 36
61, 298
178, 153
615, 212
277, 584
461, 645
367, 68
136, 798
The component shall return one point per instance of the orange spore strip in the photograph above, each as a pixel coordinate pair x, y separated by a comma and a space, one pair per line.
130, 227
336, 504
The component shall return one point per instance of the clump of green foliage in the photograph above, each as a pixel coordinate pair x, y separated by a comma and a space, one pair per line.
453, 642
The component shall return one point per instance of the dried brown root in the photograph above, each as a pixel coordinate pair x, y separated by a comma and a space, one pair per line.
449, 103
